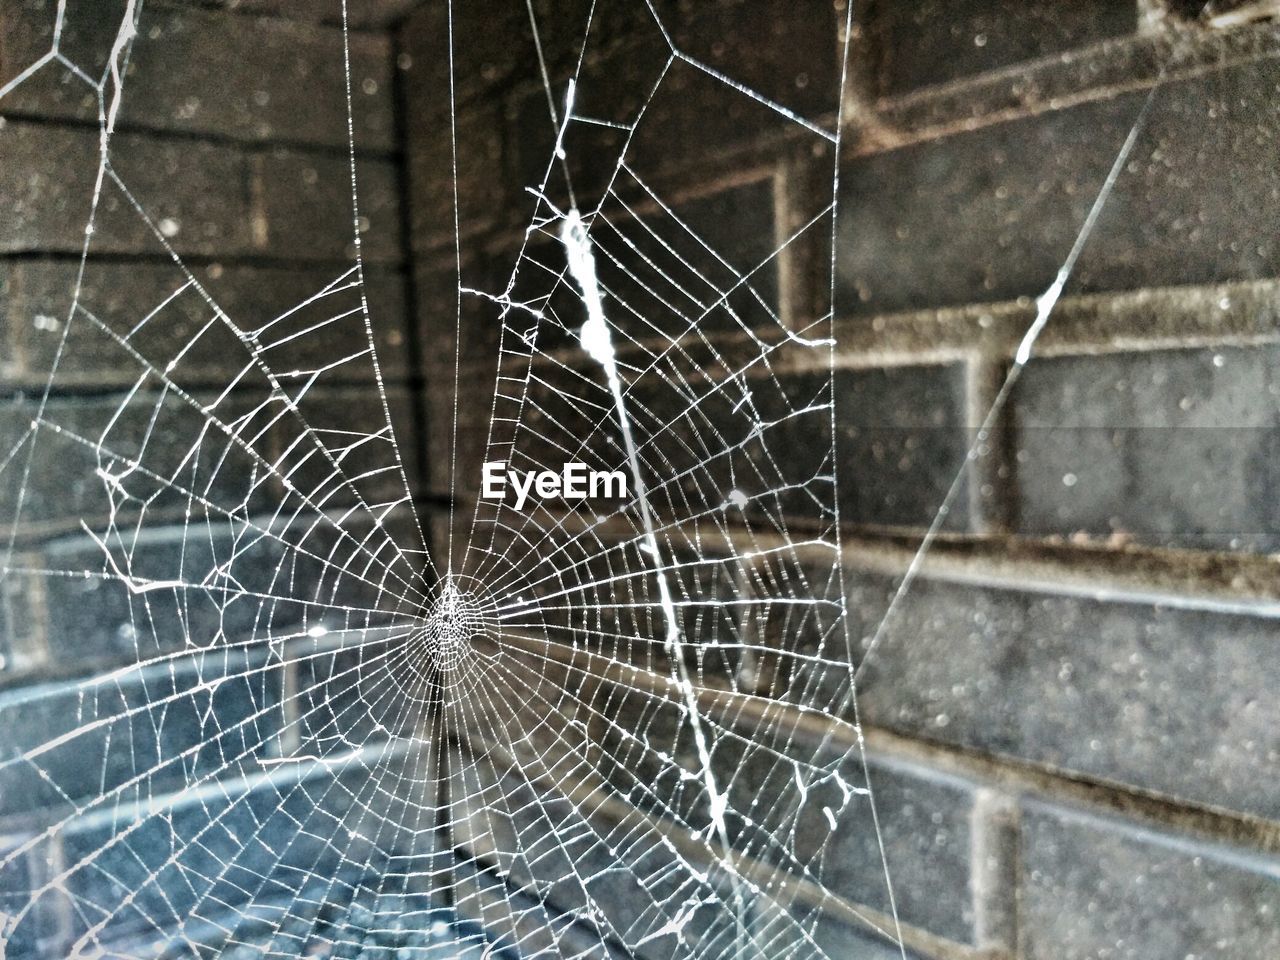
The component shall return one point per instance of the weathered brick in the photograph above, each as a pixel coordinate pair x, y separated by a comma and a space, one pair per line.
214, 715
902, 436
361, 14
339, 447
302, 207
233, 590
278, 81
1095, 688
992, 214
926, 832
27, 33
785, 51
1173, 447
611, 87
158, 450
285, 82
924, 815
901, 440
540, 279
197, 195
252, 585
194, 193
698, 105
933, 42
483, 196
1102, 887
36, 296
697, 120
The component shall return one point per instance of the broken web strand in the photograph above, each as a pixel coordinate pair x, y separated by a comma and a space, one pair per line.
598, 343
508, 304
674, 927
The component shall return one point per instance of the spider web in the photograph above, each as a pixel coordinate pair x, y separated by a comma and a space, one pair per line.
333, 721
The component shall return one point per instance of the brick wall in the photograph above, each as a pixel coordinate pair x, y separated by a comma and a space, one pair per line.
230, 153
1070, 720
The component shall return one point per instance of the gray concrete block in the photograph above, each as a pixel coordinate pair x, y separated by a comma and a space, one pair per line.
991, 214
930, 43
278, 81
184, 330
195, 194
303, 211
1092, 688
1173, 447
901, 440
1102, 887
